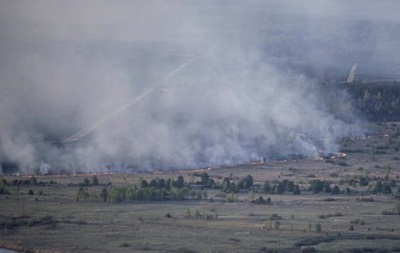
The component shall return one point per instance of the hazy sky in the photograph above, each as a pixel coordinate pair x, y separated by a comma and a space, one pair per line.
246, 93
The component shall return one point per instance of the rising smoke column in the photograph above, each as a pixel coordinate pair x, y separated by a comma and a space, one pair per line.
90, 68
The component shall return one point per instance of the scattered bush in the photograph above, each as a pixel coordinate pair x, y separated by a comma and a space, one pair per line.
333, 174
317, 186
261, 201
275, 216
185, 250
366, 199
280, 187
234, 239
329, 161
124, 244
309, 250
327, 216
357, 221
3, 190
389, 213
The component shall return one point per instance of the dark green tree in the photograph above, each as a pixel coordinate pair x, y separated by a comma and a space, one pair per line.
280, 189
161, 183
296, 190
327, 187
289, 186
225, 187
179, 183
104, 194
386, 189
143, 184
153, 183
316, 186
378, 187
33, 180
86, 182
246, 182
267, 188
204, 179
335, 190
95, 180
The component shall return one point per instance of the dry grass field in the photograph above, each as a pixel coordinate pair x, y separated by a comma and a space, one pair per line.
360, 218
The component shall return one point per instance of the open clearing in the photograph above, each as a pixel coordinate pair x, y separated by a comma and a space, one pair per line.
52, 218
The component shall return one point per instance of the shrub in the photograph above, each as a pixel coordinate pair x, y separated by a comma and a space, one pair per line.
277, 224
260, 201
130, 193
33, 180
188, 213
230, 198
82, 194
363, 181
275, 216
357, 221
185, 250
367, 199
124, 244
329, 215
116, 195
318, 228
309, 250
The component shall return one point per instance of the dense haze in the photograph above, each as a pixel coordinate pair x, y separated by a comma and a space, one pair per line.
182, 84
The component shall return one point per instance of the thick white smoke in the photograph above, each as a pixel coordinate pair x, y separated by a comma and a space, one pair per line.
71, 66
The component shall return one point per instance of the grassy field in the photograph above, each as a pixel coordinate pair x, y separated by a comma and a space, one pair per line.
357, 219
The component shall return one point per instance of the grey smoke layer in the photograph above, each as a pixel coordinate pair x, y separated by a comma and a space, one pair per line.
245, 94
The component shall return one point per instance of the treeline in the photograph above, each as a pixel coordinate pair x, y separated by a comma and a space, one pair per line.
158, 189
31, 181
379, 101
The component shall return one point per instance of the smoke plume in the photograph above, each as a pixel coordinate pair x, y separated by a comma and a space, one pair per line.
141, 85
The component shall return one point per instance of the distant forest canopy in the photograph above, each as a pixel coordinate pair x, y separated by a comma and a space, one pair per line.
376, 100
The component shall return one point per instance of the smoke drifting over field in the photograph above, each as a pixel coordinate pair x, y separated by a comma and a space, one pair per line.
68, 65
